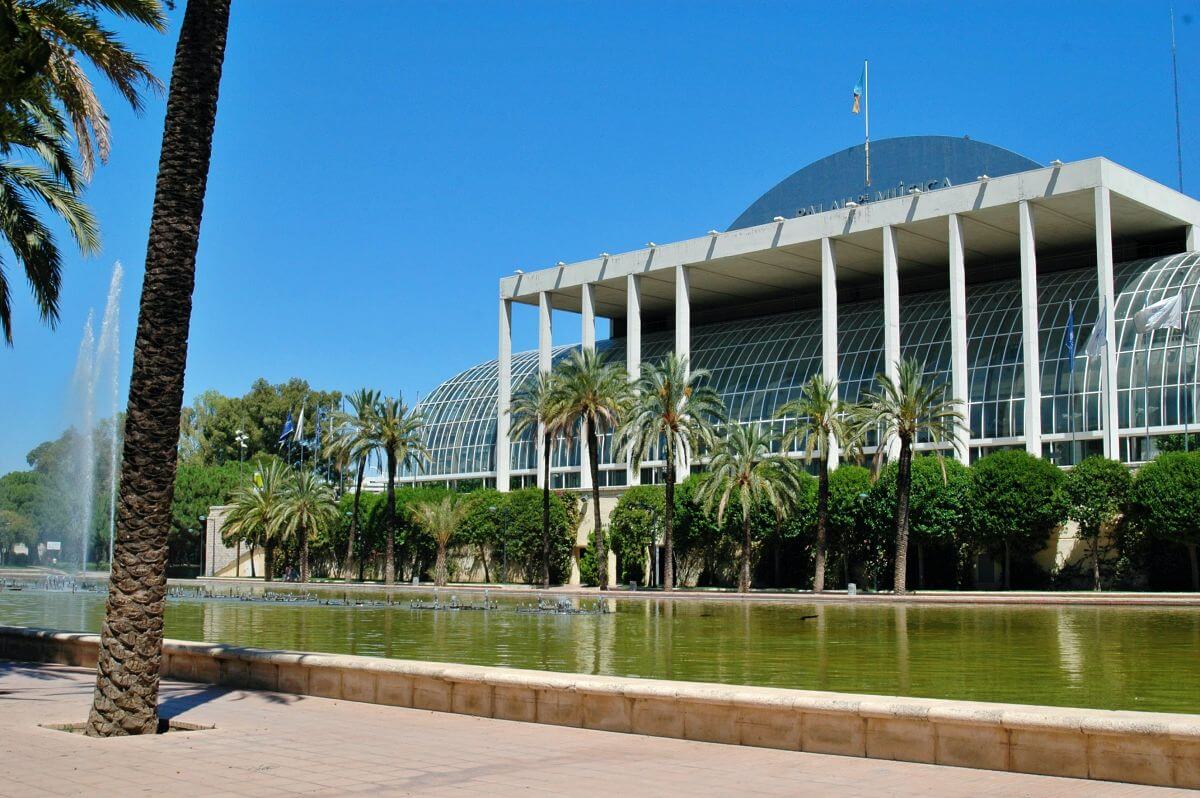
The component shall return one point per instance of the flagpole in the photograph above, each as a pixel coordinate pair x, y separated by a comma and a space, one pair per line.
1149, 336
1071, 389
867, 116
1175, 74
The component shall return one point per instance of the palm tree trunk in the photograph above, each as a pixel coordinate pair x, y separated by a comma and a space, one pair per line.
903, 486
130, 655
302, 533
546, 512
822, 521
349, 568
268, 556
439, 569
389, 567
1191, 548
669, 519
744, 574
594, 468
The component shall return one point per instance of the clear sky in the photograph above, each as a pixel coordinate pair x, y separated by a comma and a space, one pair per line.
378, 166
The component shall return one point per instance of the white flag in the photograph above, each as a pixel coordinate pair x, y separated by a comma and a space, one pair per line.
300, 425
1163, 314
1098, 338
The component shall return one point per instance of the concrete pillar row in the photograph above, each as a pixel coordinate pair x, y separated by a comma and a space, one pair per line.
504, 397
960, 387
1107, 303
1030, 340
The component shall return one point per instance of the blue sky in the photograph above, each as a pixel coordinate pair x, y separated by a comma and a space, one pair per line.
378, 166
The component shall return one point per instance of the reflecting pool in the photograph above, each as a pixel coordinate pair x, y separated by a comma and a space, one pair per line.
1141, 658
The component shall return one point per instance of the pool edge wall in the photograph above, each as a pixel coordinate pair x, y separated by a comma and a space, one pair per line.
1159, 749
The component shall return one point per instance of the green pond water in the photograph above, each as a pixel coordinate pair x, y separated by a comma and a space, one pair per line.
1140, 658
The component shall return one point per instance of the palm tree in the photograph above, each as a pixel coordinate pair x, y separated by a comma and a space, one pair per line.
50, 179
441, 520
535, 408
49, 40
596, 393
745, 471
821, 422
307, 507
41, 80
255, 510
675, 407
396, 430
901, 411
352, 442
130, 655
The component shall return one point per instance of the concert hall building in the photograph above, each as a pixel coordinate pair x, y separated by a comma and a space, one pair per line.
961, 254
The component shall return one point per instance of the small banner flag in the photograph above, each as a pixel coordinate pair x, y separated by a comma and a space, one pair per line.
1099, 337
1163, 314
300, 425
288, 428
1069, 338
858, 92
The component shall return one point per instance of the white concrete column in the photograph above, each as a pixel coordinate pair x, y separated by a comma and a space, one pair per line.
1030, 340
960, 387
683, 345
891, 303
588, 341
829, 327
891, 317
1192, 243
504, 397
588, 310
1108, 358
633, 345
545, 361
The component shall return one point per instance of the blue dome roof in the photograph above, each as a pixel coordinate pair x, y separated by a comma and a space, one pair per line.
896, 165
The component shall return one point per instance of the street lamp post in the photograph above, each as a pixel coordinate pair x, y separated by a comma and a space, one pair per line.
203, 534
241, 437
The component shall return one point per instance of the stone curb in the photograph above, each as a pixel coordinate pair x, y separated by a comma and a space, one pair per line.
1141, 747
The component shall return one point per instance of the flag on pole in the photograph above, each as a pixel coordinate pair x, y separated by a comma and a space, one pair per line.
288, 428
1099, 337
320, 412
1069, 338
858, 91
300, 425
1163, 314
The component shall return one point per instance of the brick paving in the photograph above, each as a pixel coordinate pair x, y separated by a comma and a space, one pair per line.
271, 744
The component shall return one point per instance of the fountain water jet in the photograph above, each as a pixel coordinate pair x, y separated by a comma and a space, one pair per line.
82, 471
107, 365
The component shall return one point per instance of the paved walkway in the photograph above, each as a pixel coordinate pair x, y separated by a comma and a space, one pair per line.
270, 744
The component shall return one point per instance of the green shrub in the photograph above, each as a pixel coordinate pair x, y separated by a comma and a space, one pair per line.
1165, 502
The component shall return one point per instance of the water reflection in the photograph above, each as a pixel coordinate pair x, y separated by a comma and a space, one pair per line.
1106, 657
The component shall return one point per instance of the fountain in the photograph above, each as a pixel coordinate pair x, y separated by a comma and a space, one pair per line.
97, 363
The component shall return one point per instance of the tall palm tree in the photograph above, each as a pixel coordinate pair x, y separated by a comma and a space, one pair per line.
441, 520
307, 507
590, 390
46, 42
255, 510
353, 442
396, 430
41, 80
672, 406
130, 655
745, 471
536, 408
821, 421
901, 411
